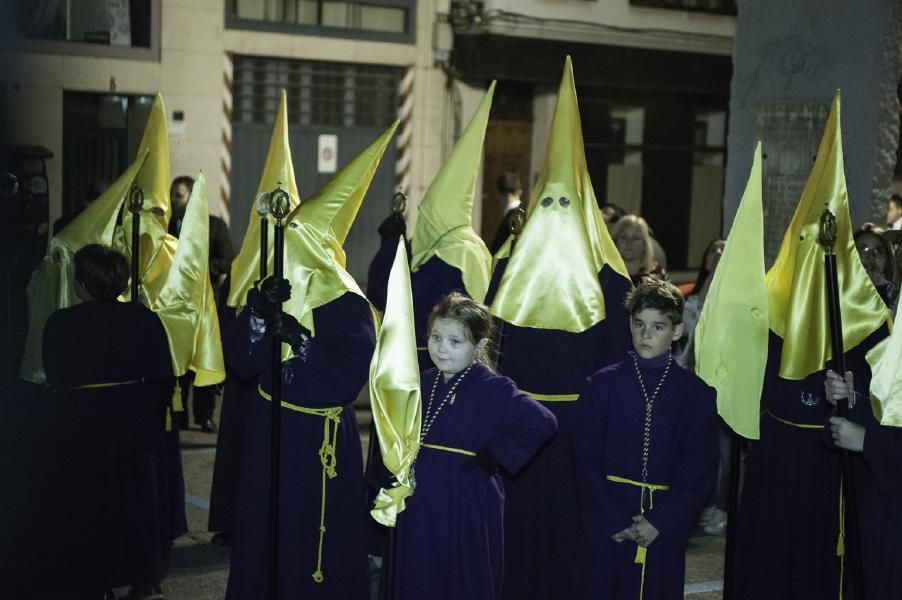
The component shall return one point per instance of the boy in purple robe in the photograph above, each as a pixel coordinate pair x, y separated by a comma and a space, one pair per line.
646, 447
450, 538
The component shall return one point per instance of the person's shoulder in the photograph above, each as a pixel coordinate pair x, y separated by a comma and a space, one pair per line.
607, 373
694, 385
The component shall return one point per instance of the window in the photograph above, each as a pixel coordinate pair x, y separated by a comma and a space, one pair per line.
112, 28
723, 7
319, 93
387, 20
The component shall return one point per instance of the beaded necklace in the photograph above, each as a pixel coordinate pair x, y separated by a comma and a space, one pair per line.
430, 417
649, 404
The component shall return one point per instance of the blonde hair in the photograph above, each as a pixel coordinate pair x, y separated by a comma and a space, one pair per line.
648, 254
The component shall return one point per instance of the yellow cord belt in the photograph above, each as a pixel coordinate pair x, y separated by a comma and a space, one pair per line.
448, 449
791, 423
651, 488
552, 397
331, 420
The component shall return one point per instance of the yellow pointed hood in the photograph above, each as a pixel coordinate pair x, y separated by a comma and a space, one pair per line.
52, 285
551, 280
186, 304
731, 334
278, 172
354, 185
312, 264
885, 360
395, 391
153, 181
444, 224
797, 299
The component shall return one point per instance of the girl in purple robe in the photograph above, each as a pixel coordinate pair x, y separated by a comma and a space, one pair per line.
449, 539
646, 447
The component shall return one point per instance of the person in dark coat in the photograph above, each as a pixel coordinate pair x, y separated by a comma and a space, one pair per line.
646, 448
109, 364
509, 192
450, 540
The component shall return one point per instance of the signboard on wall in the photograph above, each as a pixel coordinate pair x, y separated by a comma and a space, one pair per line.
327, 153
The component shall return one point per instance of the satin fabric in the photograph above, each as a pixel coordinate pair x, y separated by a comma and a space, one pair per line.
885, 360
551, 279
395, 391
278, 171
311, 265
444, 224
731, 334
185, 304
796, 285
52, 285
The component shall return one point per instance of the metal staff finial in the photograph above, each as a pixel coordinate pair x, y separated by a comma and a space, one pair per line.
135, 205
826, 236
279, 203
518, 221
399, 203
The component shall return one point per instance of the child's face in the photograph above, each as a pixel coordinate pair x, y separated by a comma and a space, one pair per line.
653, 332
449, 347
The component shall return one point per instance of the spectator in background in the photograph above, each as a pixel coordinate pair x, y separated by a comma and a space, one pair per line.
877, 257
633, 239
894, 212
611, 213
509, 192
221, 255
714, 516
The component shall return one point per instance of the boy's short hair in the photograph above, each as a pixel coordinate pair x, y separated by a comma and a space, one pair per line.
654, 292
102, 271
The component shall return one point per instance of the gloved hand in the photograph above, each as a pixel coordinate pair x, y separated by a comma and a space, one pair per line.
273, 292
286, 328
393, 227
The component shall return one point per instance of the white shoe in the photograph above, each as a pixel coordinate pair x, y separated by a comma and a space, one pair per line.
706, 515
717, 524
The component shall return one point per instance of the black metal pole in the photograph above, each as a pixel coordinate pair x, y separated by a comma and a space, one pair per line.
135, 203
729, 562
279, 209
852, 557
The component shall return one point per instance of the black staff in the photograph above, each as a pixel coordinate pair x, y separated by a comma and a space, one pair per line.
849, 519
278, 207
729, 559
135, 203
262, 206
516, 224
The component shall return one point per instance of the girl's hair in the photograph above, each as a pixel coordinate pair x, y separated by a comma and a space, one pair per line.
703, 272
472, 315
648, 255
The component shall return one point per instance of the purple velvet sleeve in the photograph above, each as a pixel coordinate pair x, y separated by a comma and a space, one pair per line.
523, 425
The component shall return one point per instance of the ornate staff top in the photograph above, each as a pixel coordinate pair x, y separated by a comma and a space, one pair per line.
826, 236
518, 221
279, 203
399, 203
135, 200
261, 204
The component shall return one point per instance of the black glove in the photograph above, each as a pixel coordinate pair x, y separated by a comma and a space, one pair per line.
485, 461
273, 292
286, 328
393, 227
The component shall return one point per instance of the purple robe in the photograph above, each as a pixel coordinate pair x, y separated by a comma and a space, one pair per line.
335, 370
541, 519
880, 507
449, 540
789, 510
116, 474
434, 280
682, 455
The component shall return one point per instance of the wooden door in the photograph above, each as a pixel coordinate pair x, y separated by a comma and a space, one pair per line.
508, 147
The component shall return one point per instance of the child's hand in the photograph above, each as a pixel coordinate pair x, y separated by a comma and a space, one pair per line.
847, 434
644, 533
626, 534
837, 388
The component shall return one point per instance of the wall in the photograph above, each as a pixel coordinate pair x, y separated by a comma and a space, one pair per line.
799, 60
